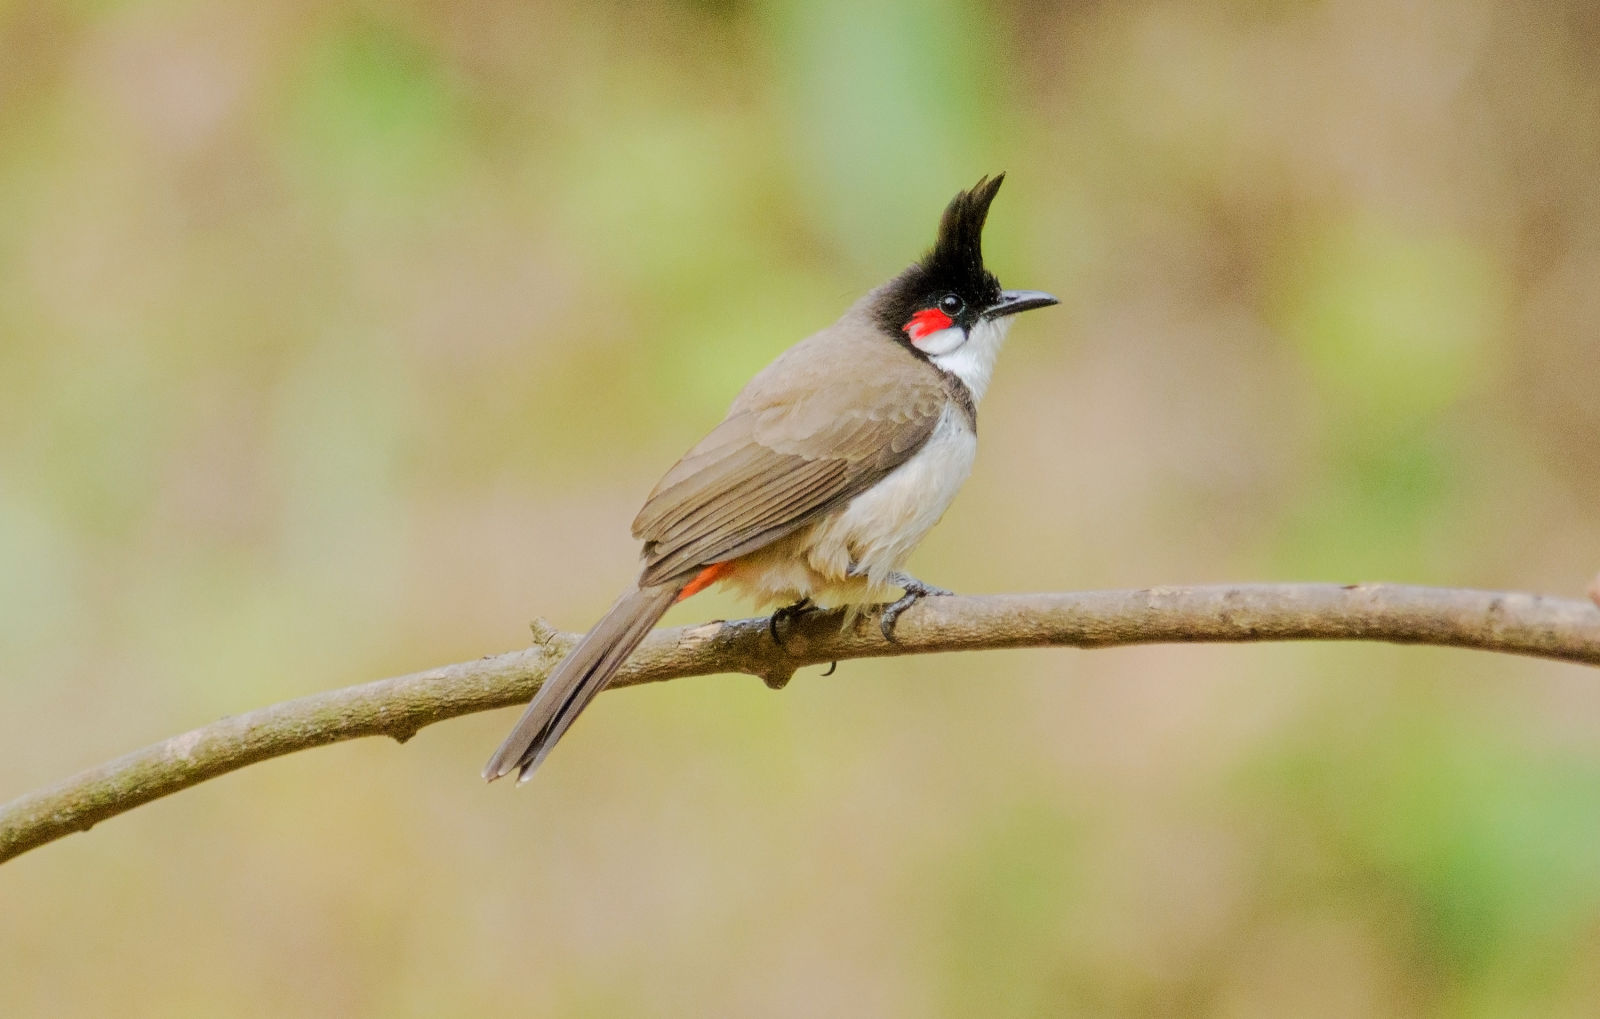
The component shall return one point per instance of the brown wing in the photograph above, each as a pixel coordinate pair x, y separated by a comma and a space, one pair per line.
824, 421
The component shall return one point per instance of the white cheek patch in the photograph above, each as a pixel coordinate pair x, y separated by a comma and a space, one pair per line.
973, 361
944, 341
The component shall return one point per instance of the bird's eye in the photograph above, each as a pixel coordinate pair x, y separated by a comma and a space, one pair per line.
951, 305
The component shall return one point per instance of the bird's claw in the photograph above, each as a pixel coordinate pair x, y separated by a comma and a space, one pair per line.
786, 614
915, 590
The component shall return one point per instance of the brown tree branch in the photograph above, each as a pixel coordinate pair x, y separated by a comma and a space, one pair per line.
1526, 624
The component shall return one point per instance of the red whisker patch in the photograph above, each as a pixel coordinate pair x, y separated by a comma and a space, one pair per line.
926, 321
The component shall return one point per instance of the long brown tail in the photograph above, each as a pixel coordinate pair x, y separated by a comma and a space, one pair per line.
573, 683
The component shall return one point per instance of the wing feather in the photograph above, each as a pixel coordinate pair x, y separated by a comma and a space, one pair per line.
823, 422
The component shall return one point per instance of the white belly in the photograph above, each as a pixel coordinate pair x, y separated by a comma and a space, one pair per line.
846, 556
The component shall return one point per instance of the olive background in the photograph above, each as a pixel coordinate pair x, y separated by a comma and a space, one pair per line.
339, 340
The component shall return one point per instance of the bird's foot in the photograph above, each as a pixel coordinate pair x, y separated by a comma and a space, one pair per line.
915, 590
788, 614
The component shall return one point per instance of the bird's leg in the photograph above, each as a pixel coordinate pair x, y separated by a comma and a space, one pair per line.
786, 614
915, 590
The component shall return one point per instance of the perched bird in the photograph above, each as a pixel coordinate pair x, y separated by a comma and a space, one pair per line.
830, 467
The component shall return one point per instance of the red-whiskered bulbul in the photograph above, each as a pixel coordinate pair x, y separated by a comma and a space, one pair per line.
831, 465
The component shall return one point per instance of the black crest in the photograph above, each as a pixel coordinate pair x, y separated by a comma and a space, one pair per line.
958, 255
955, 265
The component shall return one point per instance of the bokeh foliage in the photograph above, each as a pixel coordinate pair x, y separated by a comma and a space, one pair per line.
339, 340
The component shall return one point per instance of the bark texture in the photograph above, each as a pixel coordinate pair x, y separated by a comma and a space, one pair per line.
1526, 624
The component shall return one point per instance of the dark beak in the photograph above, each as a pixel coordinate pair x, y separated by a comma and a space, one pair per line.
1013, 301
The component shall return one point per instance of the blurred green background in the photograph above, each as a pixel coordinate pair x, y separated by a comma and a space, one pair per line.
340, 340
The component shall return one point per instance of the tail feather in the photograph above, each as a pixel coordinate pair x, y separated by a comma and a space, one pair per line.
575, 681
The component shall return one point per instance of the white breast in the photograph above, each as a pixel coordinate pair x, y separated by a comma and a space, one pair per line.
877, 530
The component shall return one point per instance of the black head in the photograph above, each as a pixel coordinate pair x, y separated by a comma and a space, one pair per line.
949, 285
